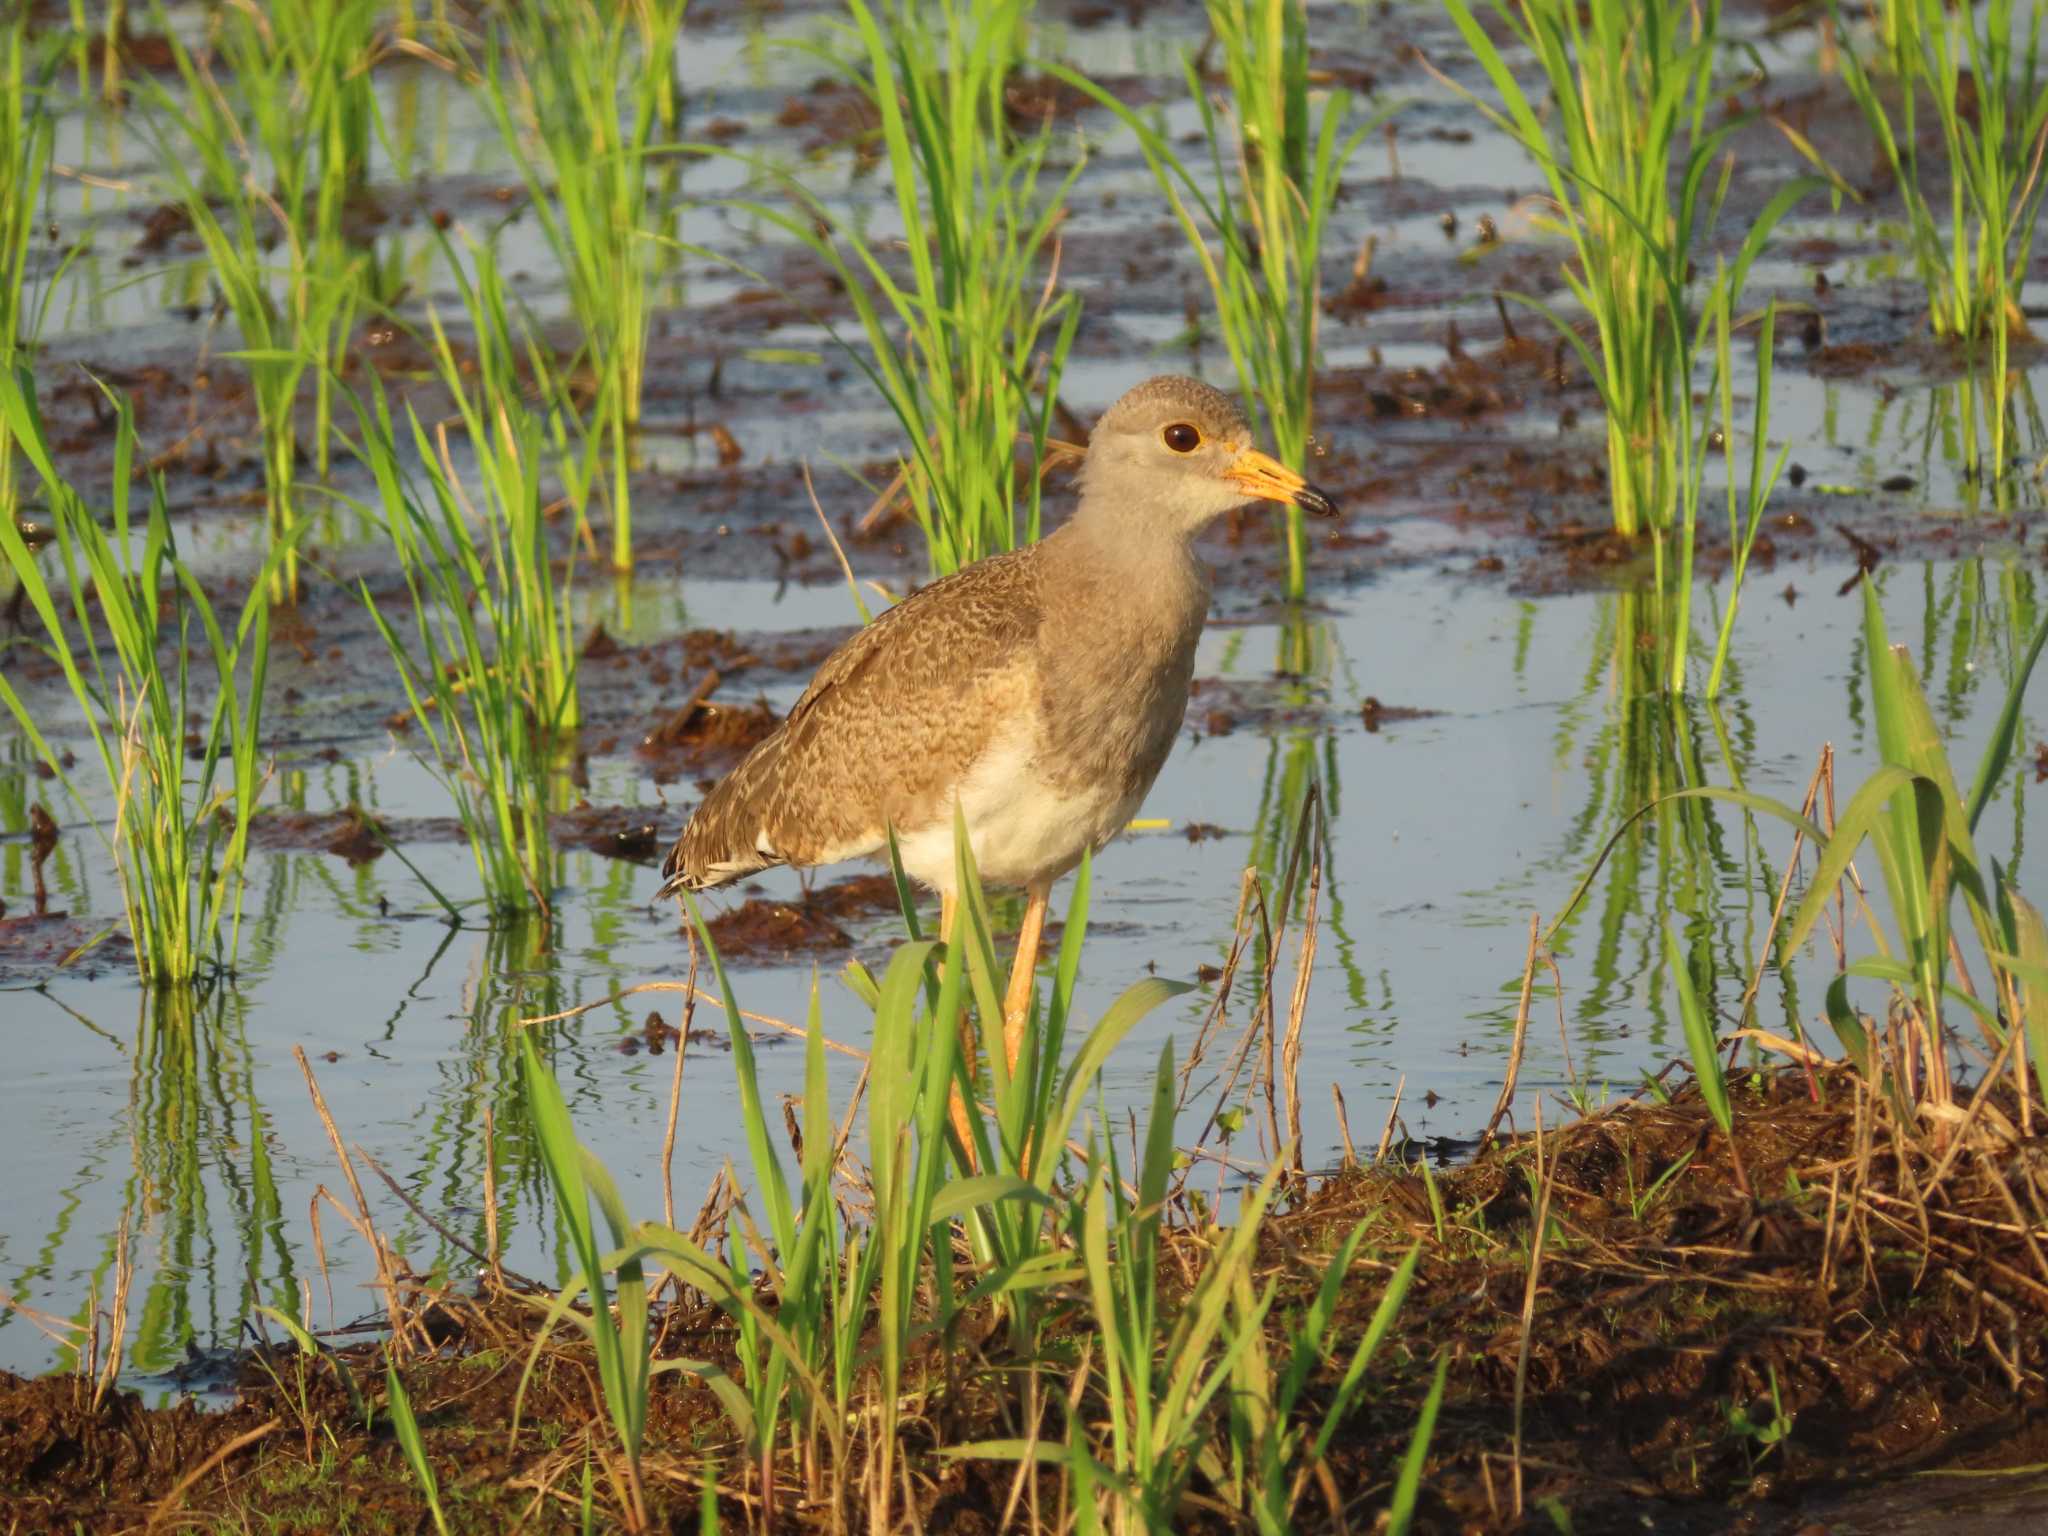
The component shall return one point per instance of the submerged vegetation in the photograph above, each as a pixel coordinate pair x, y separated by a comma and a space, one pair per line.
552, 77
968, 347
927, 1289
1980, 72
180, 834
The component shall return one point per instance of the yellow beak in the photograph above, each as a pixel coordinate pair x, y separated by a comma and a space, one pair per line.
1264, 478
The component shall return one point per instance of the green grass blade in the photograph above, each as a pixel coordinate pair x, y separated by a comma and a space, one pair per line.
1700, 1040
1376, 1331
769, 1178
407, 1429
1998, 750
1408, 1484
2033, 950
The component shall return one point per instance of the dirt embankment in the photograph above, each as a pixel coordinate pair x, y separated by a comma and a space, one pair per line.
1843, 1334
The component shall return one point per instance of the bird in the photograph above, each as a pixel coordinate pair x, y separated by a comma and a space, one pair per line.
1038, 691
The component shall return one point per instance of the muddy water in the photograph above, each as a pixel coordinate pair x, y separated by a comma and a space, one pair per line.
1466, 692
1447, 829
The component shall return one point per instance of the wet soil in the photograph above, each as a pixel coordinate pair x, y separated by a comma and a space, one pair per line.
758, 929
1676, 1329
35, 946
1843, 1346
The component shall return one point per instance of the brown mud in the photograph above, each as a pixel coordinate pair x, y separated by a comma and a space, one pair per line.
1854, 1341
34, 946
759, 929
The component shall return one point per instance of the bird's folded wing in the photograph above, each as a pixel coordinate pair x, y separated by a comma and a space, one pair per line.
888, 729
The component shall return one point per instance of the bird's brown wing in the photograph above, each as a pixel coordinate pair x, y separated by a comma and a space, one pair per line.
889, 727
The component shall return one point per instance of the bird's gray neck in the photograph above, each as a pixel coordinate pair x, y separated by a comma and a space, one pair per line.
1141, 570
1121, 612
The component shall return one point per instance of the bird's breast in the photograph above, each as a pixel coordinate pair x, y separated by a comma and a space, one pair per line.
1111, 701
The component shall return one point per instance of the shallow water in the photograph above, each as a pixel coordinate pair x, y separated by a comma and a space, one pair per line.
1445, 833
1533, 734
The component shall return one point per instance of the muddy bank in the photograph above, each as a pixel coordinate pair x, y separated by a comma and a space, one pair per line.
1708, 1358
1850, 1346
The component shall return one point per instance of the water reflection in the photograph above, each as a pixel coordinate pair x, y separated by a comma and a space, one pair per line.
1634, 743
191, 1153
475, 1113
1543, 730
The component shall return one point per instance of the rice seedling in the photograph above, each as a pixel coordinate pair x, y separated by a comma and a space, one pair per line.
1160, 1371
112, 38
1264, 197
490, 669
335, 44
968, 347
299, 93
407, 1430
921, 1177
1634, 84
1156, 1377
1693, 445
552, 77
1897, 23
1981, 77
1745, 508
825, 1295
1703, 1046
617, 1322
1035, 1107
985, 1211
535, 635
27, 137
181, 817
1270, 1438
301, 113
487, 664
1922, 831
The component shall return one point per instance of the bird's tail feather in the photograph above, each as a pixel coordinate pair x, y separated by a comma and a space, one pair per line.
723, 841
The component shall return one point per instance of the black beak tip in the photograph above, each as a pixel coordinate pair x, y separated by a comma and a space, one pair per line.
1309, 499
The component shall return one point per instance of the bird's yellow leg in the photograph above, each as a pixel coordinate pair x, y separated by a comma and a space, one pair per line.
1023, 973
949, 911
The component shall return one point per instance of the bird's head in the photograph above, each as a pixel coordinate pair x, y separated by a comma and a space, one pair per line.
1176, 451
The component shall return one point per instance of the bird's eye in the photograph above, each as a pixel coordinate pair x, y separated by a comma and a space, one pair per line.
1182, 438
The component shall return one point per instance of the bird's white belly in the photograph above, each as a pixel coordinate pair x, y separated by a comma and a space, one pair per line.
1023, 829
